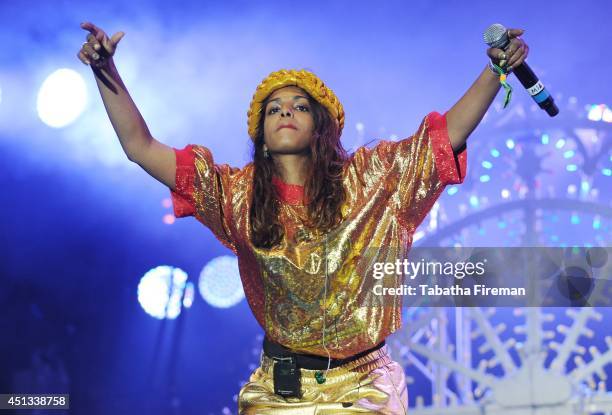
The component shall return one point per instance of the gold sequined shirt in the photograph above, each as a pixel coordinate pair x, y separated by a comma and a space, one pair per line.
291, 288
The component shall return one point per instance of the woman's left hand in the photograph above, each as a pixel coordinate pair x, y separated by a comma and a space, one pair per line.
515, 53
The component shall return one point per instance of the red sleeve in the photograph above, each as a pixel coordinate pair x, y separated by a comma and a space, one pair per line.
182, 195
451, 166
418, 168
203, 189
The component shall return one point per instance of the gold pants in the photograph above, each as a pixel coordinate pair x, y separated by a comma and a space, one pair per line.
372, 384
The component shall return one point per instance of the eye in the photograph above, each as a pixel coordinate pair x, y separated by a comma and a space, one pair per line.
272, 110
303, 108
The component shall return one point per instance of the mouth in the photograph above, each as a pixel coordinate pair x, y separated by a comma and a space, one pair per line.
293, 127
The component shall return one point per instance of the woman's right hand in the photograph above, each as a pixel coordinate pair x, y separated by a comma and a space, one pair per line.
98, 49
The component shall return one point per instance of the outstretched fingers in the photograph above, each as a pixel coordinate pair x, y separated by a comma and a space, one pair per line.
99, 47
114, 41
93, 29
90, 27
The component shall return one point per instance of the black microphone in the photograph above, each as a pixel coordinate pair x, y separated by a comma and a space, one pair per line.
496, 36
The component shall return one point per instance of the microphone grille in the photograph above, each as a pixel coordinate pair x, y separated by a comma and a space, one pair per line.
496, 36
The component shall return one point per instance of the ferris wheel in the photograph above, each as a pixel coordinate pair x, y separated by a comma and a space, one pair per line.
528, 187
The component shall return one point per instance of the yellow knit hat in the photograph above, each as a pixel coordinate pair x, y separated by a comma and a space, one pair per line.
304, 79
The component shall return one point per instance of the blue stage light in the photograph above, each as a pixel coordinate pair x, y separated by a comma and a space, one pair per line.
61, 98
607, 115
599, 112
474, 201
596, 222
585, 186
220, 283
160, 291
452, 190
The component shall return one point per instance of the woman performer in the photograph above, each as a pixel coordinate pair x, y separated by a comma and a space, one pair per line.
306, 220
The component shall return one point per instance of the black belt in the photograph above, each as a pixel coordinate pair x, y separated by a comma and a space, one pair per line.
310, 361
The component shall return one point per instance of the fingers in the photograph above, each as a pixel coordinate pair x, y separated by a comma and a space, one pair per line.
519, 57
83, 58
91, 28
98, 47
87, 54
93, 42
92, 53
516, 52
94, 30
496, 54
89, 51
516, 55
111, 44
116, 38
512, 33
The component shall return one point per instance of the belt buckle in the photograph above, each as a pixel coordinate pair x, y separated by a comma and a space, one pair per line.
289, 359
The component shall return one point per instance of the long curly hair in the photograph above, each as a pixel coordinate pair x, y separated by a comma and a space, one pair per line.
323, 188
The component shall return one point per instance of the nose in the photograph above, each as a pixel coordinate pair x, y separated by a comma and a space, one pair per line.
286, 112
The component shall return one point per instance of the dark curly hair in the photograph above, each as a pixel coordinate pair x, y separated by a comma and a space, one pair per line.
323, 187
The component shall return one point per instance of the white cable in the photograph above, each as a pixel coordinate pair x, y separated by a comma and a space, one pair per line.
325, 309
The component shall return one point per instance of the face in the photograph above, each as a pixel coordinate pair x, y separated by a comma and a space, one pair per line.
288, 122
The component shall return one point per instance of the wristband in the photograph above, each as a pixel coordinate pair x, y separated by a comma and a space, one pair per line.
502, 80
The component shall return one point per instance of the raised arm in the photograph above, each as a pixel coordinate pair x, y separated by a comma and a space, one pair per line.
154, 157
467, 113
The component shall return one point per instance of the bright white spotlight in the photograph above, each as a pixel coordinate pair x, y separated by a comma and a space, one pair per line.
160, 291
61, 98
220, 284
596, 112
607, 115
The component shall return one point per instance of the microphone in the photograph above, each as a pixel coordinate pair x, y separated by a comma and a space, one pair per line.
496, 36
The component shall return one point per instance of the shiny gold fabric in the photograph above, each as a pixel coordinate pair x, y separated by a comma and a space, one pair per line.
372, 384
391, 188
304, 79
